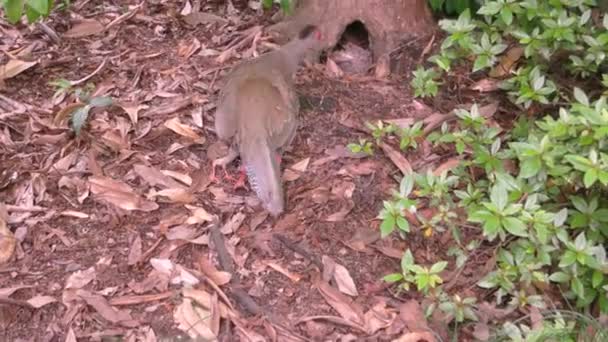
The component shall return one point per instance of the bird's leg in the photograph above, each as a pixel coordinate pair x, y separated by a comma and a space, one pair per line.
222, 162
240, 181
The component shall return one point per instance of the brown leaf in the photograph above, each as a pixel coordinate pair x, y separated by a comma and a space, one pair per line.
83, 28
199, 215
132, 110
486, 85
176, 195
135, 251
197, 18
411, 314
184, 130
155, 177
204, 298
401, 123
102, 307
71, 336
359, 169
341, 214
342, 304
119, 194
379, 317
447, 165
293, 276
340, 274
383, 67
14, 67
80, 279
181, 177
8, 242
507, 62
397, 158
301, 166
40, 301
218, 277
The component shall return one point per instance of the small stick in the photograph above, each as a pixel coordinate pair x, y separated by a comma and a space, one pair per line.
289, 244
86, 78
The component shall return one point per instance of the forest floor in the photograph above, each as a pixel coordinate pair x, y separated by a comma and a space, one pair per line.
117, 229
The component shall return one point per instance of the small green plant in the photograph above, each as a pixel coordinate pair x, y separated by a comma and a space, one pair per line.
424, 82
425, 278
451, 7
286, 5
33, 9
362, 146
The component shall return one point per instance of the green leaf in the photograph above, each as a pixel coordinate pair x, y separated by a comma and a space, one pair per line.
40, 6
31, 14
387, 226
499, 197
530, 167
590, 178
439, 266
506, 15
481, 62
567, 259
392, 278
596, 279
79, 118
101, 101
403, 224
13, 10
559, 277
580, 96
515, 226
267, 4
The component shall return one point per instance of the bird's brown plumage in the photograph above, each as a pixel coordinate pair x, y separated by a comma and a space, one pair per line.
258, 108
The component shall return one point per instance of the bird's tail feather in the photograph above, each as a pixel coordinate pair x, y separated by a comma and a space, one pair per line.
263, 172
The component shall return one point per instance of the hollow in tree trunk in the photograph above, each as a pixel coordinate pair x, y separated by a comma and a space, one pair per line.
388, 22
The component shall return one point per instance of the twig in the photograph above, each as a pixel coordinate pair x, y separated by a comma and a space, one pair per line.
124, 17
19, 209
289, 244
242, 297
86, 78
49, 32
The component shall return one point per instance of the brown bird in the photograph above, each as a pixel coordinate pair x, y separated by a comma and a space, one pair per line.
257, 110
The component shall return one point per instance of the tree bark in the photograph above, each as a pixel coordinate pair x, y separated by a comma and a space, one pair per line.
388, 22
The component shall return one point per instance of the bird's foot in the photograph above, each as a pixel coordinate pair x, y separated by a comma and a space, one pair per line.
239, 183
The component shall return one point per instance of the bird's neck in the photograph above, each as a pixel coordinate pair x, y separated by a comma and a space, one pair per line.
294, 52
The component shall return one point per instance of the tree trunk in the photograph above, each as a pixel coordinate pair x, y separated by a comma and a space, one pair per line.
388, 22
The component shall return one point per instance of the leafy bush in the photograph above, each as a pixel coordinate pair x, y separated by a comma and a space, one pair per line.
33, 9
539, 189
451, 7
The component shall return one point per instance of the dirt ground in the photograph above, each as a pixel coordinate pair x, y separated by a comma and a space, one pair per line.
114, 225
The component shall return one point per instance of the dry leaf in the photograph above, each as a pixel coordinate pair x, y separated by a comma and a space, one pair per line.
120, 194
83, 28
184, 178
102, 307
343, 305
72, 213
199, 215
194, 320
345, 282
341, 214
507, 62
401, 123
416, 337
8, 242
80, 279
176, 195
294, 277
397, 158
40, 301
132, 110
155, 177
486, 85
446, 166
301, 166
218, 277
14, 67
135, 252
197, 18
184, 130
